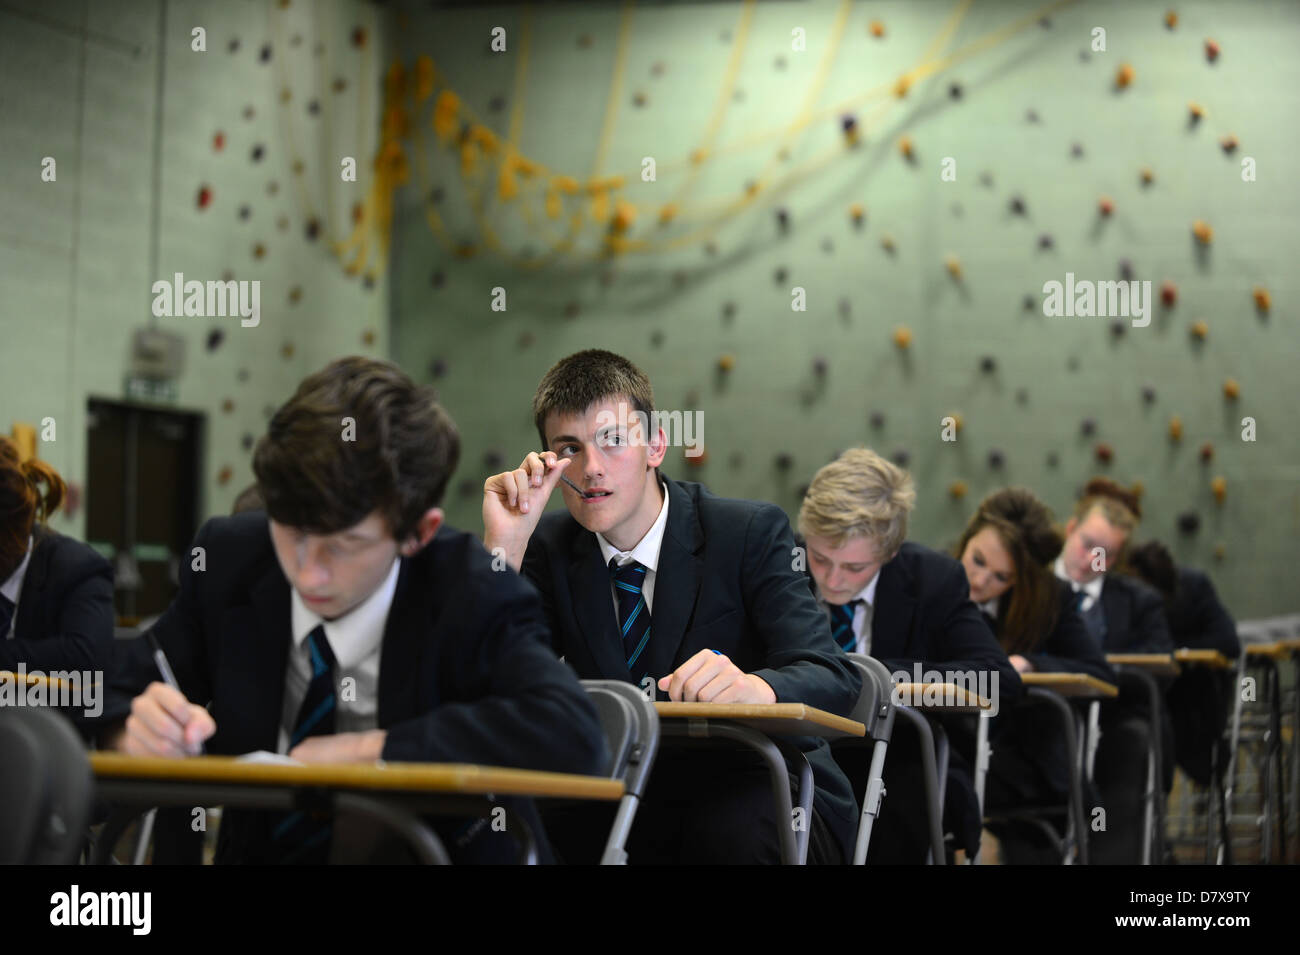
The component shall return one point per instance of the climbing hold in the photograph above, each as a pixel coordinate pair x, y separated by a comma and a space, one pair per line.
1168, 293
1231, 389
1203, 232
1263, 301
1124, 76
1175, 428
204, 197
1211, 50
902, 336
1219, 487
1105, 205
953, 265
1200, 330
726, 362
877, 28
1207, 452
1229, 143
1103, 452
957, 490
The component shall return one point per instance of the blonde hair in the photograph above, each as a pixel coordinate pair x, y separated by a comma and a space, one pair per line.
859, 494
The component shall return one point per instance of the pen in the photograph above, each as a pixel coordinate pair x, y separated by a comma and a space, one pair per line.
164, 668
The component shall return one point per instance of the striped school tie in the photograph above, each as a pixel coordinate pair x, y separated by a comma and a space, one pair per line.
842, 625
299, 837
633, 613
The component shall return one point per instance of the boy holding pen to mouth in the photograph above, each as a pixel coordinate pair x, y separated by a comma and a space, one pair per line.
659, 582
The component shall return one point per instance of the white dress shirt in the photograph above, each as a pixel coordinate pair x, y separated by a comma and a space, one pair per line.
1091, 590
646, 552
868, 596
13, 588
355, 638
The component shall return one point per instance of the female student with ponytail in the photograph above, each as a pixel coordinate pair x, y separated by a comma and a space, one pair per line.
56, 594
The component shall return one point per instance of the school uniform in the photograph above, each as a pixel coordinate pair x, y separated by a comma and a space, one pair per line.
716, 574
921, 615
56, 612
1198, 698
1124, 615
1030, 765
448, 656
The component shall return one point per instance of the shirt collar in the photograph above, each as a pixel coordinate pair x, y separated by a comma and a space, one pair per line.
358, 633
1092, 588
14, 585
646, 552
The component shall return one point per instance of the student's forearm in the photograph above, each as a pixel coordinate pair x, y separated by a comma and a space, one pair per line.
513, 553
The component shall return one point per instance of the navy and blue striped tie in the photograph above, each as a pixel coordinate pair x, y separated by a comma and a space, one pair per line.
301, 837
842, 625
633, 612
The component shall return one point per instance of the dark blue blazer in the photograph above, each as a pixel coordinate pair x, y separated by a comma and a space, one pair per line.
1070, 648
923, 614
65, 608
466, 674
725, 581
1135, 617
1197, 618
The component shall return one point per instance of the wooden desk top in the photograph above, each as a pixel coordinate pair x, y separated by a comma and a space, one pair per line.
1273, 651
939, 697
389, 777
1291, 643
1209, 658
1157, 664
776, 719
1081, 685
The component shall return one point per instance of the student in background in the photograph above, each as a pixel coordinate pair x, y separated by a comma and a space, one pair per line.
1123, 615
905, 605
1007, 551
1198, 698
350, 579
662, 584
56, 594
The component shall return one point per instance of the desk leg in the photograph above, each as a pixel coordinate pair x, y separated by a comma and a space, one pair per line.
776, 767
793, 754
930, 777
983, 753
1093, 737
423, 841
1234, 744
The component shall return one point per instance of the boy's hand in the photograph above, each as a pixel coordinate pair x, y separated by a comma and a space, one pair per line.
710, 677
513, 502
1021, 664
341, 748
164, 723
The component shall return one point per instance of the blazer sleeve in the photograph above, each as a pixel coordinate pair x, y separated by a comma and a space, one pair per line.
507, 700
801, 663
960, 636
1215, 629
82, 635
1150, 626
181, 635
1070, 648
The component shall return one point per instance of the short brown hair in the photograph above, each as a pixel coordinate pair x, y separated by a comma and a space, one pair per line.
859, 494
1027, 612
22, 502
576, 383
356, 436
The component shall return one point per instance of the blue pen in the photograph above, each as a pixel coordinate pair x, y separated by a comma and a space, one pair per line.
164, 668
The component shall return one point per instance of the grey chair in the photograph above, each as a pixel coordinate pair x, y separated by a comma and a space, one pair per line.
631, 727
45, 789
875, 711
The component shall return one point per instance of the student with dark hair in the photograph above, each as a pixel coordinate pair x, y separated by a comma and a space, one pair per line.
1007, 551
56, 594
1198, 698
908, 606
662, 584
351, 578
1123, 615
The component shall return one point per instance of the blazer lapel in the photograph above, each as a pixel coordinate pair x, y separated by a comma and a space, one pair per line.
34, 580
677, 581
399, 655
893, 612
256, 638
593, 606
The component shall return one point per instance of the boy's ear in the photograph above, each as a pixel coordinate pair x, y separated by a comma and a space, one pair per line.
1070, 525
425, 529
658, 449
